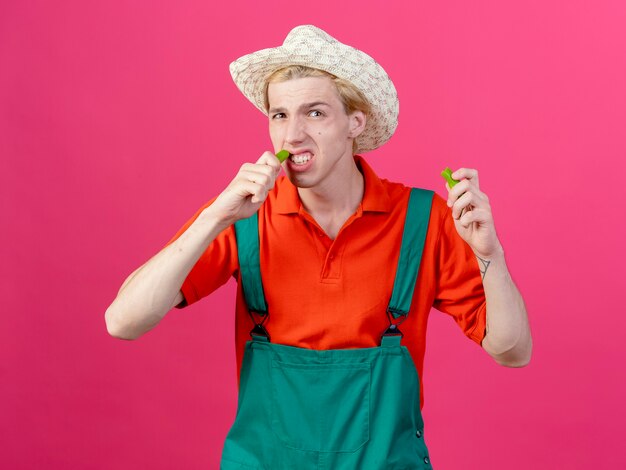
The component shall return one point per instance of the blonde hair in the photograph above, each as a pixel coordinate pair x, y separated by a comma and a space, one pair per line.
351, 97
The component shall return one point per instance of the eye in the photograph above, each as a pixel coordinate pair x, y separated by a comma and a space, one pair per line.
315, 113
278, 116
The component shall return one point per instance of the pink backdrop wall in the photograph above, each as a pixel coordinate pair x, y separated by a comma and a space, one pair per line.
118, 119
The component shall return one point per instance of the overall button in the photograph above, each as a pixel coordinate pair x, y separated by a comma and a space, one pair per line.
418, 433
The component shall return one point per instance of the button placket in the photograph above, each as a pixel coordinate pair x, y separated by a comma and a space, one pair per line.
333, 262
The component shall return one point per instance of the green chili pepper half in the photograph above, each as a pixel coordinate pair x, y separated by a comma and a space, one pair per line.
282, 155
447, 174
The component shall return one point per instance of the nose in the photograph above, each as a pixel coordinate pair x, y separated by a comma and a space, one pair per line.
295, 133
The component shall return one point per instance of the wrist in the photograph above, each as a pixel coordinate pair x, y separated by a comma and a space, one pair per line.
211, 222
493, 255
495, 252
214, 220
492, 265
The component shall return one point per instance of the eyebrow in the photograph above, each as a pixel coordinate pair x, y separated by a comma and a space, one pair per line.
302, 106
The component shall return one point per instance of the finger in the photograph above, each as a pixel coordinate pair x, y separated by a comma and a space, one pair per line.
245, 188
466, 186
259, 197
458, 190
467, 219
259, 168
462, 204
473, 216
259, 173
248, 189
271, 160
257, 176
466, 173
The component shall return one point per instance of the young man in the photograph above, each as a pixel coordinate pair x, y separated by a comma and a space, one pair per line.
330, 261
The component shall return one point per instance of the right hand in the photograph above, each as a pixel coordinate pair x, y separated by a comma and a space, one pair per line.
248, 190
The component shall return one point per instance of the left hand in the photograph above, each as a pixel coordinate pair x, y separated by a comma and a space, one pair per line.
472, 214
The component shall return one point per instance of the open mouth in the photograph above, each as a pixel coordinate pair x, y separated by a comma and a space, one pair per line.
300, 158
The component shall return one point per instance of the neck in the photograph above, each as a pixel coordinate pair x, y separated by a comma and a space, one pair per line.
340, 196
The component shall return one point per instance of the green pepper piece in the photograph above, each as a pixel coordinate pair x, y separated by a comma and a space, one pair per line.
282, 155
447, 174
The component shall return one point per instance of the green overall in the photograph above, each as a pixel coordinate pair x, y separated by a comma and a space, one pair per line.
340, 409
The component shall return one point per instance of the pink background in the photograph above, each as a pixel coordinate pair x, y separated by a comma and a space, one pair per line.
118, 119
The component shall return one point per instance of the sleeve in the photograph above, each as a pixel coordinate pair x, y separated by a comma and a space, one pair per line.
215, 266
459, 288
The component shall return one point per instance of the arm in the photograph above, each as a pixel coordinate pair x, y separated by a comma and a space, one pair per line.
508, 339
153, 289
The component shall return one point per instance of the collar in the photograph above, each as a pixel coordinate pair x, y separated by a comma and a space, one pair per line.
375, 197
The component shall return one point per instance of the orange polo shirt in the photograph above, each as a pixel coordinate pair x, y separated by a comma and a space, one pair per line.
333, 294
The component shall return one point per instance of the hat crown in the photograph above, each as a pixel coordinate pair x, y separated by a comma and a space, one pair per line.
308, 34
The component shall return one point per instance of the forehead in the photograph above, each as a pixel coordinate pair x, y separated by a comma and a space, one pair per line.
292, 93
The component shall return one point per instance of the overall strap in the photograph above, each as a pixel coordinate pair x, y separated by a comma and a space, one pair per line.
247, 232
413, 237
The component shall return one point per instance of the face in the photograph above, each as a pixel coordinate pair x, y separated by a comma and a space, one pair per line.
307, 118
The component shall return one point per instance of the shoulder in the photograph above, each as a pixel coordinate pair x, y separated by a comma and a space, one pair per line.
439, 219
396, 191
399, 194
439, 209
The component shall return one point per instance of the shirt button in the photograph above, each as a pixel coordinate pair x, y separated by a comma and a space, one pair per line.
418, 433
426, 460
332, 256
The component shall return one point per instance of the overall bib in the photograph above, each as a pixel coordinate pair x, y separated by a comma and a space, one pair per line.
339, 409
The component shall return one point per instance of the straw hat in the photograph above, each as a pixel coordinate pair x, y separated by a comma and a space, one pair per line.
312, 47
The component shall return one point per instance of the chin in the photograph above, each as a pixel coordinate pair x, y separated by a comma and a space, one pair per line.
299, 182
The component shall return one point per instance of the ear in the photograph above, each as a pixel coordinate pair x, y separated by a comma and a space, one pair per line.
358, 119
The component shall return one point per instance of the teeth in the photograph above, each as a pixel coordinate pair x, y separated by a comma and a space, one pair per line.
300, 158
